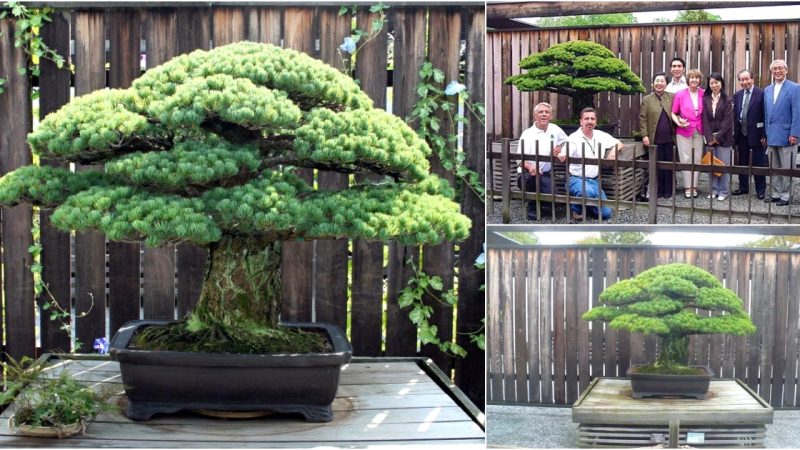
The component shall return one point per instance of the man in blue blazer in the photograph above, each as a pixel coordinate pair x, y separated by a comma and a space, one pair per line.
782, 117
748, 133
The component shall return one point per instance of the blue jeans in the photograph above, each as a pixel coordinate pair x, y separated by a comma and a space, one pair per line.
576, 185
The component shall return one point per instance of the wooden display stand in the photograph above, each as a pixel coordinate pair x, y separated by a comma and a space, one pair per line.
609, 416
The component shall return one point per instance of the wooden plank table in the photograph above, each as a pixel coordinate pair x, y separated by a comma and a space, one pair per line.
732, 416
384, 401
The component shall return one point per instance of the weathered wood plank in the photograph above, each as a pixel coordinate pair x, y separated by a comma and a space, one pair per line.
546, 350
298, 257
409, 51
790, 373
330, 275
779, 326
124, 29
230, 25
90, 246
367, 284
54, 92
534, 342
611, 357
444, 45
469, 373
559, 339
507, 324
494, 359
769, 317
521, 319
599, 345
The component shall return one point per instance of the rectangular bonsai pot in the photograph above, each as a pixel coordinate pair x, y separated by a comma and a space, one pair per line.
169, 381
665, 385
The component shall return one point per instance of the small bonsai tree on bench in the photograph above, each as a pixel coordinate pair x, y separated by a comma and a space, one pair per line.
578, 69
204, 150
664, 301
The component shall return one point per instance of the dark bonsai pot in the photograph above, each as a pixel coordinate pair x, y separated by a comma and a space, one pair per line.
168, 381
663, 385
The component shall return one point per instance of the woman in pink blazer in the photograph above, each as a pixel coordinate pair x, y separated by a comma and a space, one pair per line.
687, 113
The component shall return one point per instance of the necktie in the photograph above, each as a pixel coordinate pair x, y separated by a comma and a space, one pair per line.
745, 105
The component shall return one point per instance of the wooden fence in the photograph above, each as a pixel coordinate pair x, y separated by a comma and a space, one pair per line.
139, 282
540, 351
724, 47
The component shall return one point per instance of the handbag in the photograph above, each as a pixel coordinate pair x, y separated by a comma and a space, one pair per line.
708, 158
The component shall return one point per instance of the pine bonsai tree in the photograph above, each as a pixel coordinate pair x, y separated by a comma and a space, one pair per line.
663, 301
579, 69
204, 148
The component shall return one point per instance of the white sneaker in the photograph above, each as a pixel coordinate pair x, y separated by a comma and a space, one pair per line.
721, 198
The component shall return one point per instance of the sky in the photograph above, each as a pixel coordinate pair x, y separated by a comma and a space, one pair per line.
744, 14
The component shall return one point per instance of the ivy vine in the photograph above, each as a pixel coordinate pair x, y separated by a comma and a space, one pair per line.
359, 38
28, 21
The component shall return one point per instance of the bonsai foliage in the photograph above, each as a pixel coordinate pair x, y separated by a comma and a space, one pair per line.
664, 301
205, 149
578, 69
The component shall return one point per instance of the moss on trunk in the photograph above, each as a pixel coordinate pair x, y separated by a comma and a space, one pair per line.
242, 286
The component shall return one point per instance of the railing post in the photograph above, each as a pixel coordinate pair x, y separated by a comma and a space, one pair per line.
652, 184
504, 160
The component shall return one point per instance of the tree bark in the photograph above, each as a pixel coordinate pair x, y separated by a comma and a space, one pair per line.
674, 350
242, 285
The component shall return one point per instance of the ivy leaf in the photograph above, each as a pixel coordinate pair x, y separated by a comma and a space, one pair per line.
343, 10
436, 283
21, 70
405, 299
438, 75
428, 335
377, 24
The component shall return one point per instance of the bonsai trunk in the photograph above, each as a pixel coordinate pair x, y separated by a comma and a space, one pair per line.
582, 100
242, 286
674, 350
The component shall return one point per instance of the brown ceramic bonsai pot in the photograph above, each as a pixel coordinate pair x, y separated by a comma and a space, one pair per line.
169, 381
668, 385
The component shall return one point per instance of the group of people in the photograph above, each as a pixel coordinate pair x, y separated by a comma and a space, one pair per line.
762, 124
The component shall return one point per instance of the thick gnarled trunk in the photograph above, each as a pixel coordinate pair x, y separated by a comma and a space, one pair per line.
242, 286
674, 350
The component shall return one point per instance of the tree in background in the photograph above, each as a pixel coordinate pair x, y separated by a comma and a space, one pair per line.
694, 15
618, 238
775, 242
521, 237
584, 20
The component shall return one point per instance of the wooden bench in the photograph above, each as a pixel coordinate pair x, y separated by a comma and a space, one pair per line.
624, 185
609, 416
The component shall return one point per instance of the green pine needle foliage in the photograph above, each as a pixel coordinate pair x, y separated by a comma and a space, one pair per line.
665, 301
578, 69
208, 145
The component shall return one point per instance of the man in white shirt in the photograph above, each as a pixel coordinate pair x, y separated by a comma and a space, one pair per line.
678, 81
587, 142
544, 139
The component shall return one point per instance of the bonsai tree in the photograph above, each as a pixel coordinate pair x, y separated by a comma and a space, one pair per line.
579, 69
663, 301
204, 149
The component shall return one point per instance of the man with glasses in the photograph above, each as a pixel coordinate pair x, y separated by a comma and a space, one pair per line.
782, 121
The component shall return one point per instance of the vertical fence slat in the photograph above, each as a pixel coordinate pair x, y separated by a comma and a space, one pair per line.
298, 257
331, 255
534, 343
494, 360
793, 311
230, 25
409, 51
54, 92
780, 327
193, 27
559, 340
547, 350
598, 337
624, 336
612, 348
124, 31
742, 289
768, 338
575, 290
507, 324
717, 340
582, 326
520, 325
729, 341
269, 28
367, 285
15, 109
471, 300
757, 316
439, 260
90, 251
158, 264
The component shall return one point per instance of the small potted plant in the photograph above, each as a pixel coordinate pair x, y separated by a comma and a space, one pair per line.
578, 69
50, 405
664, 301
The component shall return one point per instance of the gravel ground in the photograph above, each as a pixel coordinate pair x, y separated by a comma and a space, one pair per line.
666, 215
552, 427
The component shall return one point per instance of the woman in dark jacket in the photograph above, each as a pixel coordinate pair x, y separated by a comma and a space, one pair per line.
718, 131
